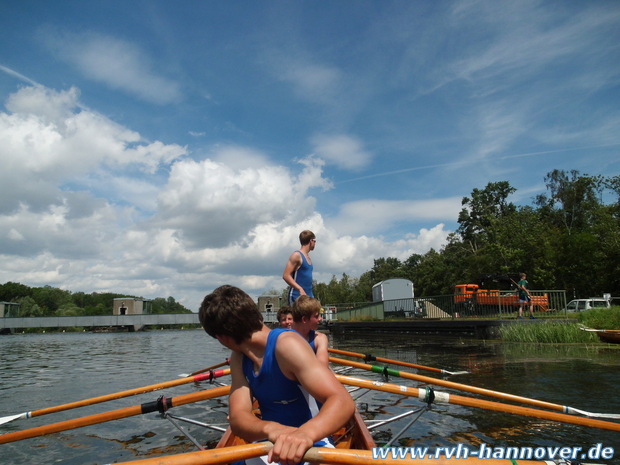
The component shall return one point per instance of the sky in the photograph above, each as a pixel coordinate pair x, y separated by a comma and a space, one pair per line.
159, 148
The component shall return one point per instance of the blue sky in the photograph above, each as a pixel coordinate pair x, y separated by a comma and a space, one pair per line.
162, 148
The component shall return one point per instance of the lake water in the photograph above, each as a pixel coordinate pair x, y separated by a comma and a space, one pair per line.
45, 370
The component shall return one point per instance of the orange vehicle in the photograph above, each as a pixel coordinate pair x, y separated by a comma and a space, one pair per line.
470, 299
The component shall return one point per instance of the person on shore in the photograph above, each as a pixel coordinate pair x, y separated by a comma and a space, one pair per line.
279, 369
525, 297
306, 319
285, 317
298, 270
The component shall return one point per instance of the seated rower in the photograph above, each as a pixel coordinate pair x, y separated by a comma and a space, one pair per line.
280, 370
285, 317
306, 318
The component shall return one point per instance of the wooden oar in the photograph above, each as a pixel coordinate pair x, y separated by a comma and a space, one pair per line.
118, 395
316, 455
476, 390
371, 358
204, 370
443, 397
161, 405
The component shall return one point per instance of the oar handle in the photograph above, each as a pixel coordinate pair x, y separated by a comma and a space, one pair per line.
314, 454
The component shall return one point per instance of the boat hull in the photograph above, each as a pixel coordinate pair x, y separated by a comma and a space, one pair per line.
609, 335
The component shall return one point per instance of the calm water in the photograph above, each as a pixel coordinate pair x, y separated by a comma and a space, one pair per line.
39, 371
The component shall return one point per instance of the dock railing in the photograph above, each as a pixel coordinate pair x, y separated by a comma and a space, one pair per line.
499, 305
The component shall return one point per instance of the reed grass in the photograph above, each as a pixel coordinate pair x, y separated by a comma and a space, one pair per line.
548, 332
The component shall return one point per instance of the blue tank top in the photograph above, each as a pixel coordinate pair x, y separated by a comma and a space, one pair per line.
303, 277
279, 398
311, 338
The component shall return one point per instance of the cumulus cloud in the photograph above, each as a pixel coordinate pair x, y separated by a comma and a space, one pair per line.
47, 139
87, 205
213, 204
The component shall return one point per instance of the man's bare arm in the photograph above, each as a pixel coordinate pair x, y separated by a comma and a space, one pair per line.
322, 344
298, 361
243, 422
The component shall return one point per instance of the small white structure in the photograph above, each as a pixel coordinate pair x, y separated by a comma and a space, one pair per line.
392, 289
131, 306
269, 306
9, 309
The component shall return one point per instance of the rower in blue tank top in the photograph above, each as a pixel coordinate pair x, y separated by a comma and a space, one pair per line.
298, 271
273, 390
280, 370
306, 319
303, 277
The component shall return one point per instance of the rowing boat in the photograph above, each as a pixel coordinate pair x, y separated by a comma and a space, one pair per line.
605, 335
609, 335
354, 435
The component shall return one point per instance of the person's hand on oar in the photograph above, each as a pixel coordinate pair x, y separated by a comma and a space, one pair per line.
314, 455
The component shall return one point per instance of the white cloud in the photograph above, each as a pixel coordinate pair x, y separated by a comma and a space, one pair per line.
116, 63
82, 210
215, 203
375, 215
344, 151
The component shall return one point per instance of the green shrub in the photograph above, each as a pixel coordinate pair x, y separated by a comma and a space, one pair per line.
601, 318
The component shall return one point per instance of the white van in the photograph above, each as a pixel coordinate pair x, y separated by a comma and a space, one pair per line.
579, 305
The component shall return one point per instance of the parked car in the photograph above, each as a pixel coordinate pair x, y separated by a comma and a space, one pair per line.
579, 305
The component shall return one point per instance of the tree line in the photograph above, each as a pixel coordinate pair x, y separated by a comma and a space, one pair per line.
51, 301
568, 238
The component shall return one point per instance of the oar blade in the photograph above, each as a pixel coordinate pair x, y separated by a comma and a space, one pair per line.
10, 418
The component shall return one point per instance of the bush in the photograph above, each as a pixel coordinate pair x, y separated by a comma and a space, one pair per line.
601, 318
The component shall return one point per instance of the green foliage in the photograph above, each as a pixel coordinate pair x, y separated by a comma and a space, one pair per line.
601, 318
548, 332
50, 301
10, 292
169, 305
28, 307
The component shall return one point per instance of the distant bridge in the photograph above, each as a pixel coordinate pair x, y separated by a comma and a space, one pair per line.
133, 321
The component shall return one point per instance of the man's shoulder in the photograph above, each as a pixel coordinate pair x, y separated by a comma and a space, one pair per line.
320, 335
289, 341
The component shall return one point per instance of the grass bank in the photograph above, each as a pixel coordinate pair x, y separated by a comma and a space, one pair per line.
561, 332
601, 318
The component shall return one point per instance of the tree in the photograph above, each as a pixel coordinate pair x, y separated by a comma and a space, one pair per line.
29, 308
573, 199
50, 298
11, 292
481, 213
